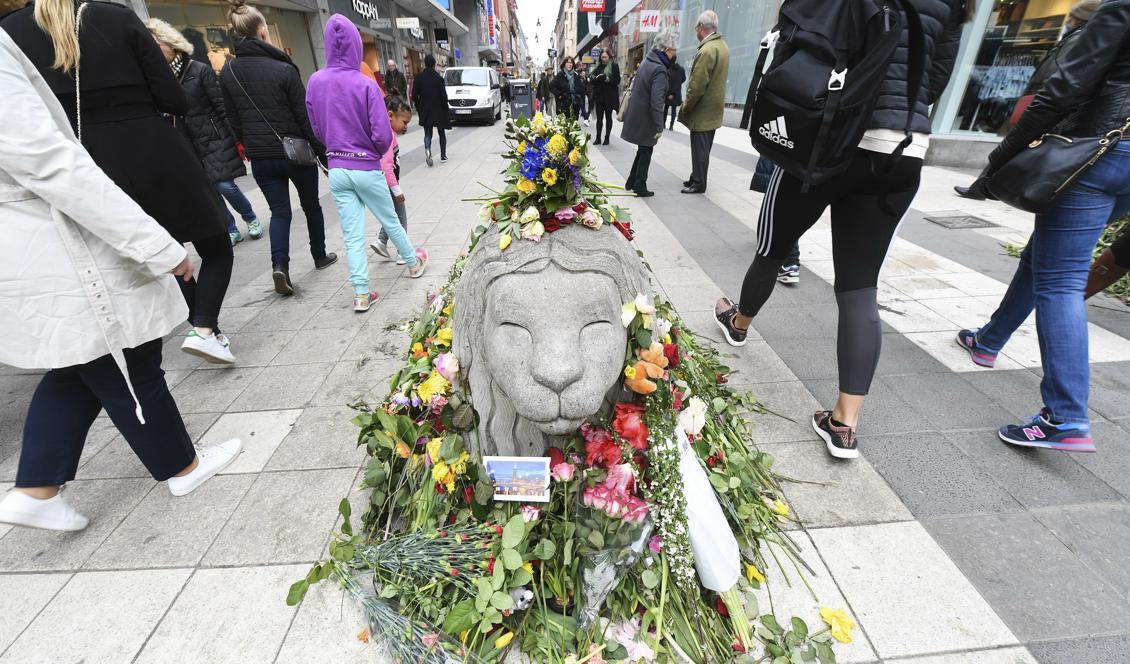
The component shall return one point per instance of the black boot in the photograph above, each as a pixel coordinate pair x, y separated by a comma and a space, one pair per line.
325, 261
281, 276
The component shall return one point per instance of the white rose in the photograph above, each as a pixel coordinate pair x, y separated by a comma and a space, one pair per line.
693, 417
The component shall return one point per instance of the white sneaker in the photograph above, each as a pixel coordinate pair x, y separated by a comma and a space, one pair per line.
380, 248
214, 348
586, 122
212, 460
417, 270
401, 261
20, 509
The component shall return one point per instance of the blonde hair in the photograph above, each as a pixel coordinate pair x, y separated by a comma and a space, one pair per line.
167, 34
57, 19
245, 19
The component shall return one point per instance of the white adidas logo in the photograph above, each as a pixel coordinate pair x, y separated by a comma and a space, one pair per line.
776, 131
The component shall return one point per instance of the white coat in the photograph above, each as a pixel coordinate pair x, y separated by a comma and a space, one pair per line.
84, 272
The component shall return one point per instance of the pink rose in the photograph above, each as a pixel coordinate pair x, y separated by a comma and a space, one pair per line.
447, 365
587, 497
530, 513
620, 478
636, 510
599, 497
655, 544
615, 508
563, 472
591, 219
565, 215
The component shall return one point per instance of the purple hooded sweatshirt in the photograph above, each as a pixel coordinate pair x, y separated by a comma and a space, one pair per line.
346, 108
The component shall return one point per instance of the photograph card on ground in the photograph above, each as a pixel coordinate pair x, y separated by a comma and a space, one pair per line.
519, 479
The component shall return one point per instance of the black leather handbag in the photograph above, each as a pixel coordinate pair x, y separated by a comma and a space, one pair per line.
297, 150
1036, 178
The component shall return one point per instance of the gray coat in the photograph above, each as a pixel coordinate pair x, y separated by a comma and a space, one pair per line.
643, 121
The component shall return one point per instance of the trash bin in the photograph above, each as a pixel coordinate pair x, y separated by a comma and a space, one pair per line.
521, 98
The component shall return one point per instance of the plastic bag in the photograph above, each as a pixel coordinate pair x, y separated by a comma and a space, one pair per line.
603, 570
716, 555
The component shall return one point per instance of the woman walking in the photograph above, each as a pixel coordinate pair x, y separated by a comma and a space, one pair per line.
126, 85
347, 112
429, 95
87, 295
675, 80
1091, 91
605, 93
567, 88
266, 103
868, 201
206, 126
643, 122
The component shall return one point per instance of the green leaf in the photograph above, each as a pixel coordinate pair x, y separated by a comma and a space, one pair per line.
615, 651
567, 559
643, 337
719, 483
498, 578
824, 653
388, 591
297, 592
501, 601
770, 622
719, 405
735, 482
781, 660
482, 599
596, 539
545, 549
461, 618
511, 559
345, 509
513, 532
650, 579
800, 627
519, 578
775, 650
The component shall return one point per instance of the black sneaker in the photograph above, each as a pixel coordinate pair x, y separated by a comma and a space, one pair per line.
281, 276
644, 193
724, 313
325, 261
840, 441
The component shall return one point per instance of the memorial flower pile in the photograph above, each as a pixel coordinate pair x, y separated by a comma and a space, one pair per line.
611, 568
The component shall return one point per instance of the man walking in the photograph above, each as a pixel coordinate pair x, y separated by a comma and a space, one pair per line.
395, 83
706, 98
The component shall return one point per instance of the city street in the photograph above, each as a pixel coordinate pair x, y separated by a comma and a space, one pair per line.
944, 544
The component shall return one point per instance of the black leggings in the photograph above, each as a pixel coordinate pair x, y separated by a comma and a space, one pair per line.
603, 121
862, 231
205, 292
673, 109
1121, 249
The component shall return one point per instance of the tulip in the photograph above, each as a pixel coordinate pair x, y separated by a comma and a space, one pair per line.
447, 365
531, 214
693, 417
530, 513
533, 231
563, 472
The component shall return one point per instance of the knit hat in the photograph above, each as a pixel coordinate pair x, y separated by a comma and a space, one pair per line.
1083, 9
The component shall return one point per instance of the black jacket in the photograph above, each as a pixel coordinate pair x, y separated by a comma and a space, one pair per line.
941, 24
643, 121
605, 88
565, 92
1089, 94
272, 83
543, 92
396, 84
126, 86
429, 95
206, 123
676, 76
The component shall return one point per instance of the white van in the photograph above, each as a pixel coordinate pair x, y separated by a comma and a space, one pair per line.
473, 93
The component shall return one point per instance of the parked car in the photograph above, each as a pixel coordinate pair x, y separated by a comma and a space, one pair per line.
473, 93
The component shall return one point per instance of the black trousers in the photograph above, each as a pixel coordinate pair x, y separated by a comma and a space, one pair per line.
701, 143
442, 139
603, 121
68, 400
673, 109
205, 292
862, 230
637, 177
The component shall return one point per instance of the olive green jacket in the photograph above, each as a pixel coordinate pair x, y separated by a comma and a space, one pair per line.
706, 91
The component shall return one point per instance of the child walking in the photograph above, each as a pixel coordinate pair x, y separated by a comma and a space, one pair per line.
348, 114
399, 116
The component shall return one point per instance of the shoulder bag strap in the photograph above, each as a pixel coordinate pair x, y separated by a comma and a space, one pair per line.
78, 67
231, 68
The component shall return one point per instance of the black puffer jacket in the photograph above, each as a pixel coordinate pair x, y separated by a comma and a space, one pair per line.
206, 123
272, 81
941, 24
1089, 94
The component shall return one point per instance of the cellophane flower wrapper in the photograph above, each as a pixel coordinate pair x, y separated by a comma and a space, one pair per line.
603, 568
717, 559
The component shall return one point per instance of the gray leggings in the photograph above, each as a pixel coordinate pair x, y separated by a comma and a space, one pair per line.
402, 212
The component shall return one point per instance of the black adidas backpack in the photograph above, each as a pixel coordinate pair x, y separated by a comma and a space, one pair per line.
818, 78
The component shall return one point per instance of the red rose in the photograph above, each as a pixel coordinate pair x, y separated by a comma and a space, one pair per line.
439, 488
552, 225
721, 378
671, 352
556, 456
625, 229
601, 450
628, 422
580, 207
721, 606
468, 494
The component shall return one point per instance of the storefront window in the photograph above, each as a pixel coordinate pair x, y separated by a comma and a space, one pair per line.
1020, 33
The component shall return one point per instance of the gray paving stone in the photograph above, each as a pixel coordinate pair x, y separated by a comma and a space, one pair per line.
1098, 534
308, 346
1110, 389
213, 391
901, 357
1017, 391
166, 531
323, 437
338, 313
852, 493
1016, 655
815, 359
1037, 478
350, 381
105, 502
22, 597
174, 359
885, 411
803, 321
254, 349
233, 319
1088, 650
285, 518
934, 477
791, 406
116, 458
281, 387
947, 402
1111, 460
282, 314
754, 363
1038, 586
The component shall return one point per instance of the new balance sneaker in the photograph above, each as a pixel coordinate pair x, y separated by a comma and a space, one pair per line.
417, 270
254, 229
211, 461
724, 313
789, 274
967, 339
361, 303
20, 509
380, 248
840, 440
235, 238
1042, 432
214, 348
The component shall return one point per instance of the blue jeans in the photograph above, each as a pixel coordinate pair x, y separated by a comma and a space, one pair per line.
230, 191
353, 191
1051, 277
442, 139
274, 177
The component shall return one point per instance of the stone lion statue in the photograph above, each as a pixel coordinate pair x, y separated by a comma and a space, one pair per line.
538, 334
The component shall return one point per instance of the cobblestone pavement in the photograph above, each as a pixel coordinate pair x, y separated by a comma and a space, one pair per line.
944, 544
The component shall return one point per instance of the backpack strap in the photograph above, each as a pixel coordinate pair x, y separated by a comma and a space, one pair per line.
768, 43
916, 66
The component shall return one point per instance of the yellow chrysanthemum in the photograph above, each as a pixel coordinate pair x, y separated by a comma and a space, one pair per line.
549, 176
449, 480
503, 641
443, 337
440, 471
459, 467
538, 124
751, 574
780, 508
417, 349
433, 448
526, 186
557, 145
574, 156
521, 149
435, 385
449, 310
504, 241
840, 623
